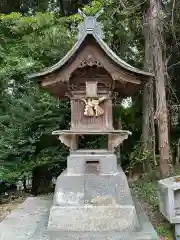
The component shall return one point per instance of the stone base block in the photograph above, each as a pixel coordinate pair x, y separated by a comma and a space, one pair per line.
113, 235
78, 189
93, 218
76, 162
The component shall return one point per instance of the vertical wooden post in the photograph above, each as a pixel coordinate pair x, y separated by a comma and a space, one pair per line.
74, 143
110, 147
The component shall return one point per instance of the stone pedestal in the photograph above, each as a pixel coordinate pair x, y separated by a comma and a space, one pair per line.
85, 206
94, 206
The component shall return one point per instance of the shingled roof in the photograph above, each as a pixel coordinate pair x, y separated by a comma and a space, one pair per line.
90, 27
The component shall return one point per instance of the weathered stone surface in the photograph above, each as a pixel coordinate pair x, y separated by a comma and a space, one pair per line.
78, 189
103, 201
93, 218
76, 162
169, 199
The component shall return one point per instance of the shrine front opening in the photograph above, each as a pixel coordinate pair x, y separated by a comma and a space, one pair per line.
93, 142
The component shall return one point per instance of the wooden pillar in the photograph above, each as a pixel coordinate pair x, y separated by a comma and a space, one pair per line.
74, 143
110, 147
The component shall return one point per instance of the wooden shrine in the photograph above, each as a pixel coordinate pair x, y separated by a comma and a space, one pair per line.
91, 74
92, 195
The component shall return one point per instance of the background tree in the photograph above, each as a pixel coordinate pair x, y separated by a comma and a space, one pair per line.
62, 7
28, 114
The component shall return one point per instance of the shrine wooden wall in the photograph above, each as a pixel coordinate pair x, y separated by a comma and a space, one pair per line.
77, 87
81, 122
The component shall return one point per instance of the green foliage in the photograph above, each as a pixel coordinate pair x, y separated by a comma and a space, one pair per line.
93, 142
165, 230
139, 156
29, 115
146, 190
131, 120
30, 43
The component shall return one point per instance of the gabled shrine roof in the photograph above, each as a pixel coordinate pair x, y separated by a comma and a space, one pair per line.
84, 33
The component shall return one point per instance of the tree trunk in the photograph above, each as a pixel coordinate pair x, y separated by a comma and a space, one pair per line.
178, 152
148, 130
155, 18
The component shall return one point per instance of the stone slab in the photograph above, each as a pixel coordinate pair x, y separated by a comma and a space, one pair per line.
76, 163
92, 151
92, 132
93, 218
29, 222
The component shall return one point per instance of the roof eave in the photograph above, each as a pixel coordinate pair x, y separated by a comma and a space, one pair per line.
104, 47
118, 60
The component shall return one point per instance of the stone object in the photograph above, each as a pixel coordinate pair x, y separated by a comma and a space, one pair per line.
169, 201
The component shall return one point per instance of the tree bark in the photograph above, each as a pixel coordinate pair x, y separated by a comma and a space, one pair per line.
148, 129
155, 13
